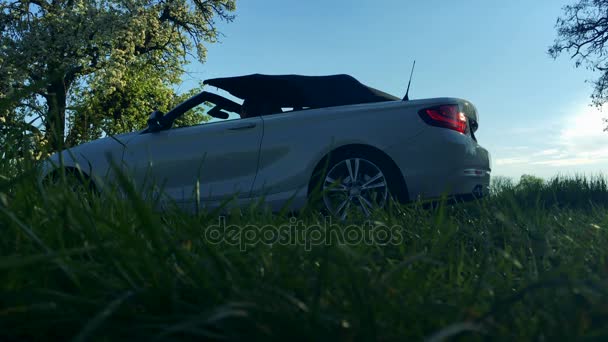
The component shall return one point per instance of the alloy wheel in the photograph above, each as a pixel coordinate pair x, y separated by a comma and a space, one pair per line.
354, 183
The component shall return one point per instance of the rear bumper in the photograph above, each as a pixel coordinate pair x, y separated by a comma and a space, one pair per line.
459, 185
441, 163
453, 199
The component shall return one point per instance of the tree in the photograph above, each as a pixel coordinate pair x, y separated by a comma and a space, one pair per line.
19, 137
530, 182
582, 32
106, 106
58, 45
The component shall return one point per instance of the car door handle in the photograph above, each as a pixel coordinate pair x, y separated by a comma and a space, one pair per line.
242, 127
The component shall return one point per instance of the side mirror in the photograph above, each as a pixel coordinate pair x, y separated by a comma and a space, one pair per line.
154, 124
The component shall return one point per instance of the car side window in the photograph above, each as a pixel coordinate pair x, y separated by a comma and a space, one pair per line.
199, 116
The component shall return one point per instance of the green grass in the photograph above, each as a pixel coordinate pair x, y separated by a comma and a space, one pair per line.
530, 262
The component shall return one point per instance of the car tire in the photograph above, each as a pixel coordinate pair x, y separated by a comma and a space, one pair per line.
376, 183
74, 180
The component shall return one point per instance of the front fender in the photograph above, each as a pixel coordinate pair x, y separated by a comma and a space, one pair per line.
93, 159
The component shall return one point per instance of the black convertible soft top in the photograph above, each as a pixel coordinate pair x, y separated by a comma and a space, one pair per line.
301, 91
274, 92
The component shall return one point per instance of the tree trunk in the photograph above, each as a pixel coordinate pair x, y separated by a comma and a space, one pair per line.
55, 118
80, 130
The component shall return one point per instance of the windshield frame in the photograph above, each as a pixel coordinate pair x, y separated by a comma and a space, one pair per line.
167, 120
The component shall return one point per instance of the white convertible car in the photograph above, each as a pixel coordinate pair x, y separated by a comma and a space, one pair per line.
358, 145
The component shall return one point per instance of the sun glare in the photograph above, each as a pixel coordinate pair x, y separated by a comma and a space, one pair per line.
583, 136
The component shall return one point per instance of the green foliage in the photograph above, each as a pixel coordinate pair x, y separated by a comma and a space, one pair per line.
106, 106
19, 137
499, 184
194, 116
530, 183
53, 46
74, 265
576, 192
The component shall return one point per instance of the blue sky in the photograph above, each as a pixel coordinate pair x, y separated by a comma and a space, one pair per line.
534, 111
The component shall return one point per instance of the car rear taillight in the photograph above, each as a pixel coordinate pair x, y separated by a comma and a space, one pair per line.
446, 116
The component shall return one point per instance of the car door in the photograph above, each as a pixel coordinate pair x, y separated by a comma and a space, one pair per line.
293, 143
221, 156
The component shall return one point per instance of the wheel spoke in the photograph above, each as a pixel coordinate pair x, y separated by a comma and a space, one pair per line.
349, 166
373, 179
338, 188
365, 204
345, 212
341, 206
374, 186
333, 185
329, 180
